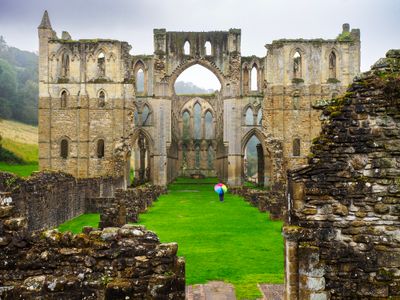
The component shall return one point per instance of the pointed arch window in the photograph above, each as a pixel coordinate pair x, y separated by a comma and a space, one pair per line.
332, 65
208, 48
140, 81
186, 48
297, 65
249, 117
186, 125
102, 99
296, 147
64, 148
246, 80
146, 116
197, 121
101, 64
63, 102
296, 102
100, 148
65, 65
259, 117
254, 78
136, 117
208, 119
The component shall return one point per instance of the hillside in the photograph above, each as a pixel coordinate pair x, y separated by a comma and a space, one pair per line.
18, 147
18, 84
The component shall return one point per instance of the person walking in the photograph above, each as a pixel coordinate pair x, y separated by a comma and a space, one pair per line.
220, 189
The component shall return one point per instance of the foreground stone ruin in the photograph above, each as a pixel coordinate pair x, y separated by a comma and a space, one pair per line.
343, 237
125, 262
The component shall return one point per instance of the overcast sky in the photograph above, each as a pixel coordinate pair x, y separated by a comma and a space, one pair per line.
261, 21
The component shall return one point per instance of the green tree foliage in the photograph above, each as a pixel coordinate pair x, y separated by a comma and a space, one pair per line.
18, 84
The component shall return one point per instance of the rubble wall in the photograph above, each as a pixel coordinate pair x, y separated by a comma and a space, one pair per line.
343, 232
113, 263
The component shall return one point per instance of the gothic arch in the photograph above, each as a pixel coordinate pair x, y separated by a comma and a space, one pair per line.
191, 62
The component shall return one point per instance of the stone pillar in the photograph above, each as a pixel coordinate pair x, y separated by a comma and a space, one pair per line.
291, 270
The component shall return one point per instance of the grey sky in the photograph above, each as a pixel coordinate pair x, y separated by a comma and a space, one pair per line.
261, 21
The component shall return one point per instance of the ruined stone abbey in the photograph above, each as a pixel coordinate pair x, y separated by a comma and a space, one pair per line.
93, 118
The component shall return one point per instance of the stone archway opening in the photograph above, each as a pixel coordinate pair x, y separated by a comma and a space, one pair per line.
196, 132
195, 80
253, 162
139, 163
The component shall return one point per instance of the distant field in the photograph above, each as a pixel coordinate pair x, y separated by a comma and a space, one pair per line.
22, 140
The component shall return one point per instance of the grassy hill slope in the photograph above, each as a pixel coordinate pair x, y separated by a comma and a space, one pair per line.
21, 141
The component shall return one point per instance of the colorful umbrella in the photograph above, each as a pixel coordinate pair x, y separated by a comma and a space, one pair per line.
220, 188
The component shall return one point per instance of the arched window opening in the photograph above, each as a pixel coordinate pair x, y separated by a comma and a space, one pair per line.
65, 65
136, 118
63, 101
197, 157
207, 47
297, 72
332, 65
254, 79
100, 148
210, 157
102, 99
101, 64
186, 126
208, 119
197, 121
251, 159
296, 102
249, 117
186, 48
64, 148
259, 117
245, 80
140, 81
296, 147
146, 116
197, 80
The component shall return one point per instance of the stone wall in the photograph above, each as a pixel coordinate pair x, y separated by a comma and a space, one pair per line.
343, 232
48, 199
264, 200
113, 263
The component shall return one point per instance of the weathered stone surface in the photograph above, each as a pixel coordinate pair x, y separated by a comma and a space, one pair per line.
349, 197
114, 263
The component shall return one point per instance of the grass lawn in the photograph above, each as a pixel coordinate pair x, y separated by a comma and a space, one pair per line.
21, 170
230, 241
76, 224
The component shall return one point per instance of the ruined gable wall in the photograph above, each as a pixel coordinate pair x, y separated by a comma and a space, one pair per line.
83, 121
289, 100
342, 241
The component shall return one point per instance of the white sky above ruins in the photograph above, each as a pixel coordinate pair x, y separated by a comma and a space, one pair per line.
261, 21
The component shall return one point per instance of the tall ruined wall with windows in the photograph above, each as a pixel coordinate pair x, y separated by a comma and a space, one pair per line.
84, 102
299, 75
103, 111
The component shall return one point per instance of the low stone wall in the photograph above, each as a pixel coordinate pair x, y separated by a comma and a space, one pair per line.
128, 204
262, 199
48, 199
113, 263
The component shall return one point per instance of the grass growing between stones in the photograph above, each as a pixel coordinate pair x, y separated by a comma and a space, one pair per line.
75, 225
230, 241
